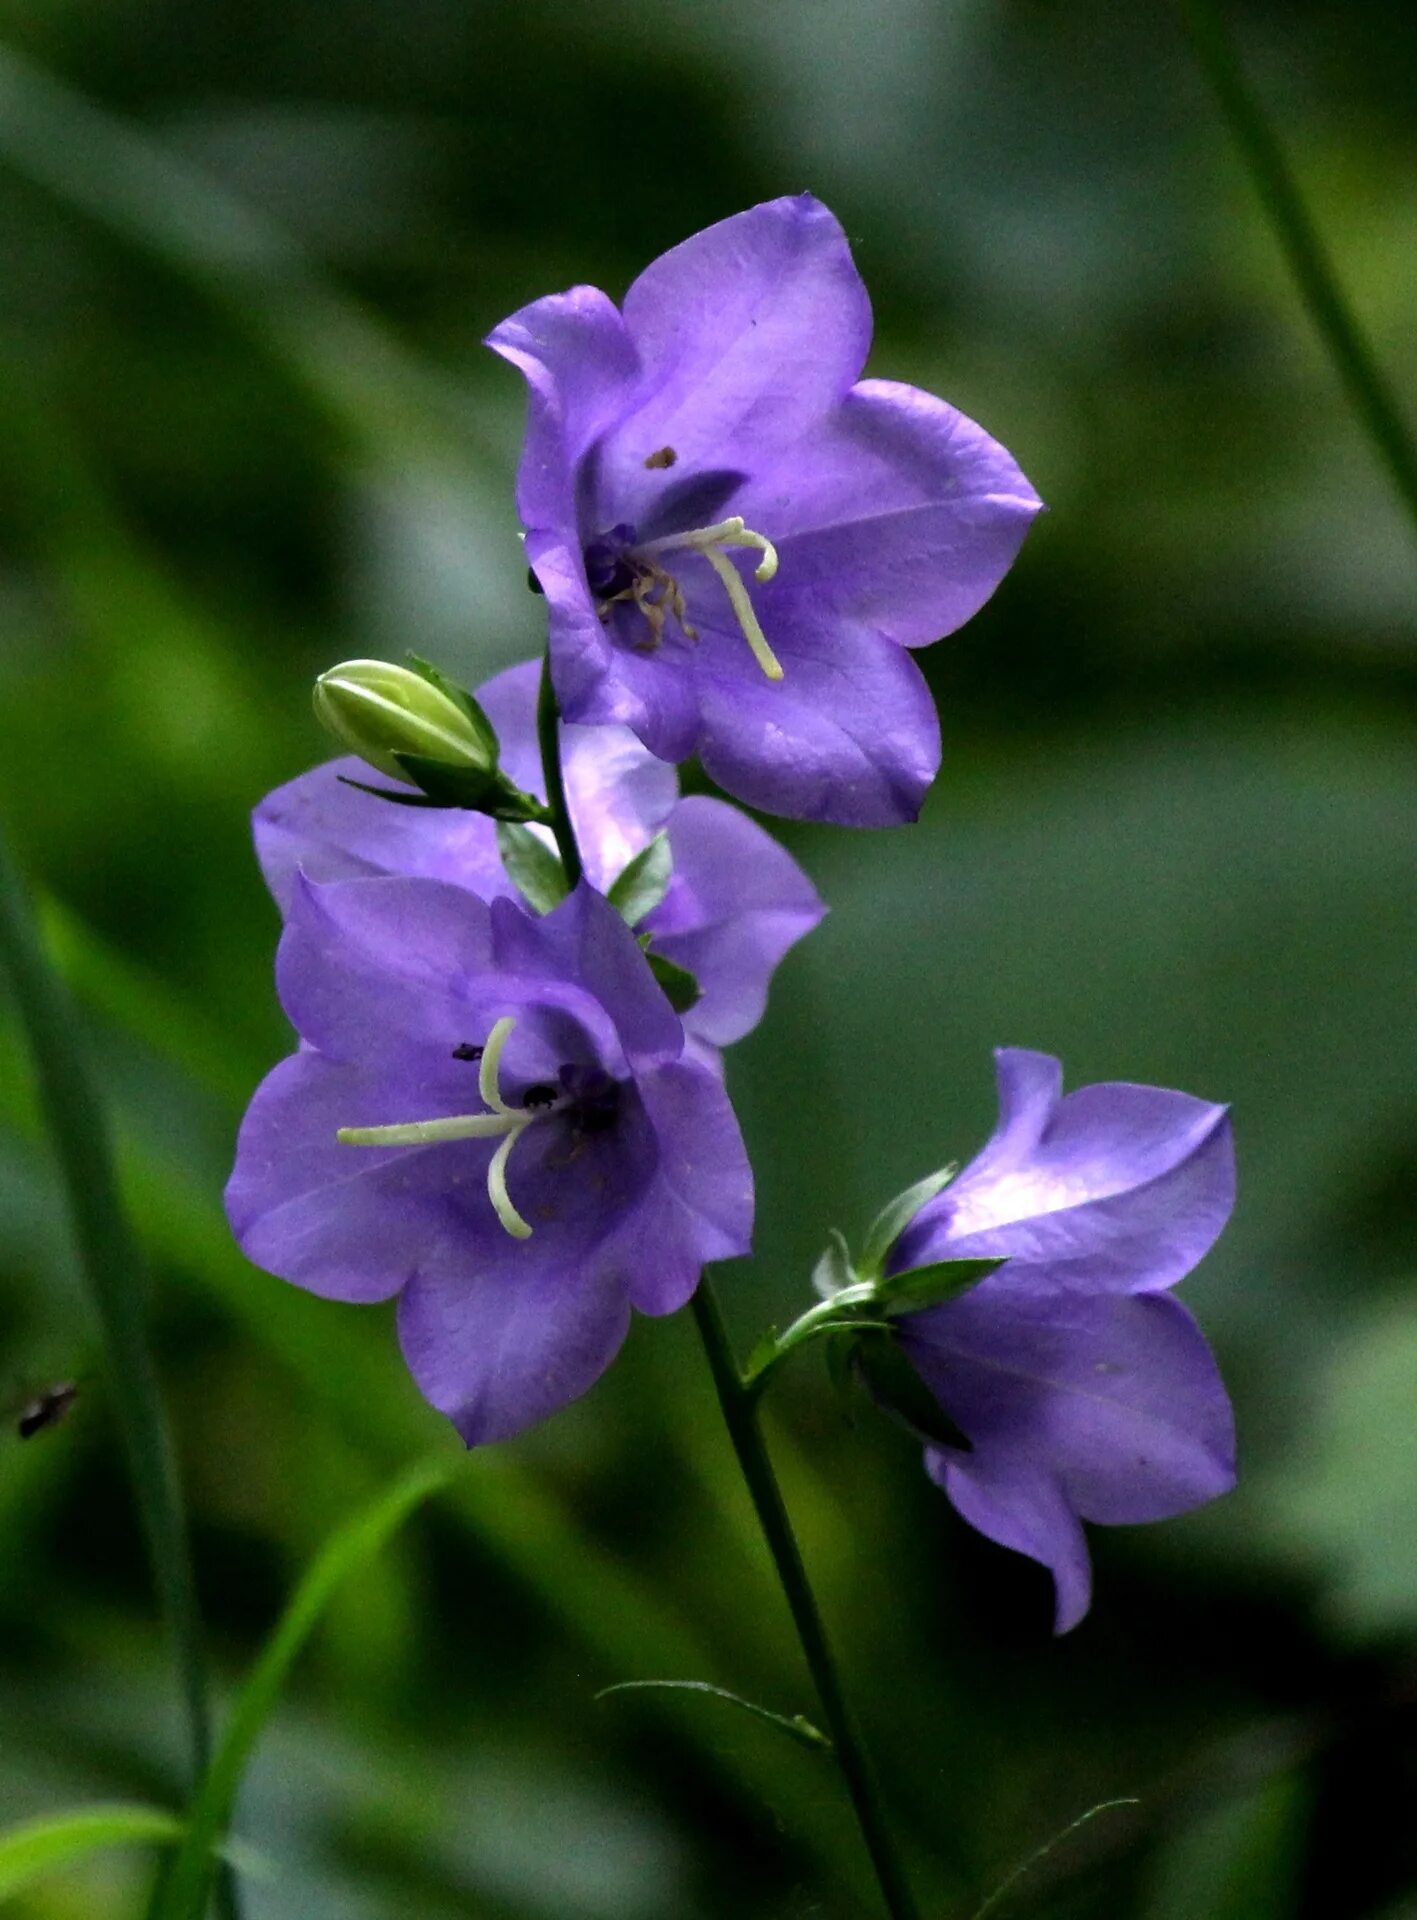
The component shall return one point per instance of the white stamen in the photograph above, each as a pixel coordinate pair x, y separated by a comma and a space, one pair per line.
710, 542
503, 1122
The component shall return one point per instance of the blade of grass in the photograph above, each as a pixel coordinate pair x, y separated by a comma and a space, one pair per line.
183, 1891
110, 1265
1309, 260
32, 1851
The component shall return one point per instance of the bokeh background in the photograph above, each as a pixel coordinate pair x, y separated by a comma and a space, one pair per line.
247, 429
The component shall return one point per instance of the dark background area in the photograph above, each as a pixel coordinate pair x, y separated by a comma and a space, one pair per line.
246, 430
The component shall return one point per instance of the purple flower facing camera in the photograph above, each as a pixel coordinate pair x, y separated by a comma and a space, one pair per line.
493, 1117
734, 905
737, 536
1085, 1391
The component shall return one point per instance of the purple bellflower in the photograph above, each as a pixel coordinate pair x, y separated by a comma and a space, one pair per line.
735, 903
737, 536
491, 1116
1086, 1392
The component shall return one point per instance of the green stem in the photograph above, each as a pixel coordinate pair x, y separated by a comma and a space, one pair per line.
108, 1260
1309, 261
739, 1404
548, 720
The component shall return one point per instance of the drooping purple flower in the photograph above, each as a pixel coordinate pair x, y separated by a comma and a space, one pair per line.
492, 1116
736, 901
738, 536
1086, 1392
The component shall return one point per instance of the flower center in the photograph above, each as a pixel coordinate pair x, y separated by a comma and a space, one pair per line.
633, 573
589, 1096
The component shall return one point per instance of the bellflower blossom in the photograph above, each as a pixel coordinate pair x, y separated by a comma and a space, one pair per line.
737, 536
735, 903
491, 1116
1086, 1392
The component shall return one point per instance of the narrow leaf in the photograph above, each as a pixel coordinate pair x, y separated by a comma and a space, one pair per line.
472, 788
533, 868
183, 1892
483, 728
920, 1287
898, 1390
681, 989
797, 1725
833, 1270
388, 793
643, 884
31, 1852
890, 1223
111, 1268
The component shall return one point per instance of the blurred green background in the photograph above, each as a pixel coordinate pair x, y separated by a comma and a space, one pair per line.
247, 429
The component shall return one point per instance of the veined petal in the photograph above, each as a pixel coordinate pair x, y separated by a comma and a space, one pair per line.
849, 734
1114, 1398
747, 334
318, 826
736, 903
699, 1207
897, 512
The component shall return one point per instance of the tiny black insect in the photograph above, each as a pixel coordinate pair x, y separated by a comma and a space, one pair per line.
541, 1095
47, 1409
465, 1051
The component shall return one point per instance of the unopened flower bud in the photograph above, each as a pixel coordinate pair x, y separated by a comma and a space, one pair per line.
378, 710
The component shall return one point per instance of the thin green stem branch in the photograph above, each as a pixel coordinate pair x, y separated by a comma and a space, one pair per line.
1278, 190
109, 1262
548, 721
740, 1413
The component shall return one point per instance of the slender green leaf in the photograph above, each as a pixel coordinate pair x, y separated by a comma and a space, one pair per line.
469, 787
797, 1725
644, 882
109, 1261
1036, 1859
897, 1388
31, 1852
920, 1287
183, 1892
680, 987
890, 1223
532, 867
833, 1270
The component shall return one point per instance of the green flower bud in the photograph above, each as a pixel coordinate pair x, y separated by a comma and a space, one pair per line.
378, 710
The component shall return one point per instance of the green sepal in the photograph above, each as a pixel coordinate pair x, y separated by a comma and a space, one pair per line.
929, 1286
533, 868
482, 727
389, 793
679, 986
890, 1223
898, 1390
641, 886
475, 789
833, 1270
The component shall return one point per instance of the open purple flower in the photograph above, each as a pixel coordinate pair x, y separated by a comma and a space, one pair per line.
736, 901
491, 1115
736, 535
1086, 1392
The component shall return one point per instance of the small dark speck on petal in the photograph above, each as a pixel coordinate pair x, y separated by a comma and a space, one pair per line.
663, 457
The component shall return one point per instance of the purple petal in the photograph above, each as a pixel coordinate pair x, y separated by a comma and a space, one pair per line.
736, 903
1115, 1185
748, 333
371, 969
508, 1339
580, 369
699, 1206
330, 831
1022, 1507
849, 734
898, 514
585, 940
344, 1222
1115, 1398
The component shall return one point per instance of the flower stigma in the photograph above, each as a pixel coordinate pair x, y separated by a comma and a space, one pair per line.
654, 591
502, 1122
